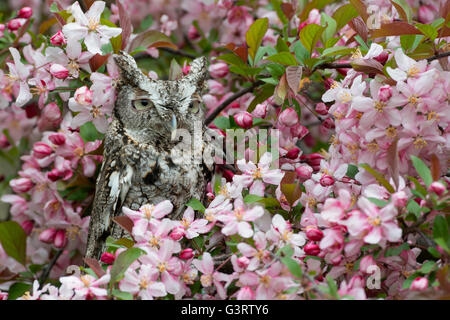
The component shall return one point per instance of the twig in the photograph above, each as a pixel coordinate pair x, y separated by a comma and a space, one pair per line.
49, 267
439, 56
225, 104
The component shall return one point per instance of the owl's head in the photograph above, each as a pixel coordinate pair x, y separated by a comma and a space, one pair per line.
154, 109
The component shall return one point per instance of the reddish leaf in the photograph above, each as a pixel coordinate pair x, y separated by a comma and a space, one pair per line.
151, 38
7, 275
435, 167
231, 46
361, 8
367, 65
281, 90
360, 27
97, 61
396, 28
242, 52
95, 266
124, 222
288, 10
45, 25
393, 160
293, 77
125, 24
289, 188
88, 3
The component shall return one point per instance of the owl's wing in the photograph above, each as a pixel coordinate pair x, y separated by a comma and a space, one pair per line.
112, 187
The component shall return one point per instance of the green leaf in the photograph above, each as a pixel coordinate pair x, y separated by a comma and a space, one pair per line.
378, 176
14, 240
403, 9
440, 232
423, 171
428, 30
434, 252
395, 251
284, 58
352, 170
122, 295
378, 202
344, 14
18, 289
333, 287
427, 267
276, 4
281, 45
250, 198
232, 59
301, 53
255, 35
106, 48
330, 28
264, 93
309, 36
146, 23
196, 205
418, 186
123, 261
54, 8
222, 122
414, 208
89, 132
337, 51
293, 266
409, 280
409, 42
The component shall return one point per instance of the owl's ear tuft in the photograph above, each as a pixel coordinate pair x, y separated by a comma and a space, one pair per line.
197, 73
128, 69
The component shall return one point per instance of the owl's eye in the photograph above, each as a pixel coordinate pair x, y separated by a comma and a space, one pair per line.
194, 106
142, 104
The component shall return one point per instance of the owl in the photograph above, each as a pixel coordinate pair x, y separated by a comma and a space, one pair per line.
139, 166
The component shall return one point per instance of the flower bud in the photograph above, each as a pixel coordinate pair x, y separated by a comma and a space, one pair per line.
41, 150
304, 172
399, 199
243, 262
59, 71
218, 70
25, 12
245, 293
321, 108
27, 226
48, 236
15, 24
328, 123
177, 233
54, 175
21, 185
326, 180
313, 159
216, 88
227, 174
382, 57
57, 138
243, 119
299, 131
437, 187
51, 112
313, 233
385, 93
288, 117
311, 249
83, 96
260, 111
58, 39
293, 153
60, 239
107, 258
419, 284
186, 69
186, 254
193, 33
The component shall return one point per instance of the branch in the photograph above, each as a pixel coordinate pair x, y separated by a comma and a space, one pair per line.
225, 104
49, 267
439, 56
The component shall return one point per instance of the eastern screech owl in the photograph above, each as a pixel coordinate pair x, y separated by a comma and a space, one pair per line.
138, 167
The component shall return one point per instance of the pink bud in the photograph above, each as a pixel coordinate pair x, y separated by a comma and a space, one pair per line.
4, 143
382, 57
321, 108
15, 24
288, 117
83, 96
293, 153
326, 180
218, 70
313, 233
57, 138
58, 39
54, 175
260, 111
186, 254
419, 284
399, 199
437, 187
186, 69
311, 249
177, 233
60, 239
59, 71
27, 226
243, 119
25, 12
304, 172
302, 25
245, 293
426, 14
193, 33
365, 263
48, 236
313, 159
216, 88
41, 150
51, 112
243, 262
20, 185
328, 123
107, 258
384, 93
299, 131
227, 174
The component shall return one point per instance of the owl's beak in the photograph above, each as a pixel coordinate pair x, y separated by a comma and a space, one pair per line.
173, 127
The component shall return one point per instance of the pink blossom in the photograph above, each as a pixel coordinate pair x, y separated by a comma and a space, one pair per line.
84, 287
244, 119
419, 284
144, 283
25, 12
58, 39
193, 227
209, 276
147, 214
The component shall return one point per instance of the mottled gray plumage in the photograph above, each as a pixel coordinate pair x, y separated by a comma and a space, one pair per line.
138, 167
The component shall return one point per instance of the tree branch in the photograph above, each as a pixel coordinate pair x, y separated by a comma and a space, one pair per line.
439, 56
225, 104
49, 267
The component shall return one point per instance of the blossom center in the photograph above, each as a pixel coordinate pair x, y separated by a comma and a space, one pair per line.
265, 280
379, 106
147, 211
375, 221
391, 131
85, 281
78, 152
92, 24
373, 147
419, 143
206, 280
413, 71
185, 223
413, 99
153, 241
257, 173
95, 111
239, 214
162, 267
432, 115
73, 231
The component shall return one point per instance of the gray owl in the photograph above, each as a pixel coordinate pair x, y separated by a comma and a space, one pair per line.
138, 166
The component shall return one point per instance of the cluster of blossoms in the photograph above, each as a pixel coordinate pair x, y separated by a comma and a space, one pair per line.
318, 221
